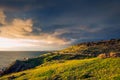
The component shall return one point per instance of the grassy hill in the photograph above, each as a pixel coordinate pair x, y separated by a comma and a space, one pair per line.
20, 65
86, 69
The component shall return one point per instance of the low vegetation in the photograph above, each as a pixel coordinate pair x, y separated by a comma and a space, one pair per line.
19, 65
86, 69
109, 55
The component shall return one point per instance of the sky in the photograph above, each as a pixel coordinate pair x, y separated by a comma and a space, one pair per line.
38, 25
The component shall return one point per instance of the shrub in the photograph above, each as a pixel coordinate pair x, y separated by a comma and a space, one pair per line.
114, 54
103, 55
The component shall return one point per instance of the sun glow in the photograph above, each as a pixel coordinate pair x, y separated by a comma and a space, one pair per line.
6, 43
17, 44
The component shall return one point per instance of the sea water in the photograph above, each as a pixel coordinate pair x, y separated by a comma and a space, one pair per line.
7, 57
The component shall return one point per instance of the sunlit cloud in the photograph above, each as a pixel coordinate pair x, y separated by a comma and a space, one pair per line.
17, 28
18, 34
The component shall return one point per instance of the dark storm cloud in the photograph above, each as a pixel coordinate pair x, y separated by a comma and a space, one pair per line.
20, 5
73, 19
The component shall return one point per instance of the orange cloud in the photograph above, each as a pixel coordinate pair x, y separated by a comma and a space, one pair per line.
17, 28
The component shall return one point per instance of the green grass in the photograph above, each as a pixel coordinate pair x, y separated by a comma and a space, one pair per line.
86, 69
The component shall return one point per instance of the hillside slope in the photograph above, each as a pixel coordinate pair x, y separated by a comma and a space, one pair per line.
93, 48
86, 69
20, 65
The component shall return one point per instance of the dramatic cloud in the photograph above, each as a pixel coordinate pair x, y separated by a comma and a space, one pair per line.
17, 28
20, 33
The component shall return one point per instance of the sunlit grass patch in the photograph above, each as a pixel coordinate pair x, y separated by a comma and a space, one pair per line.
86, 69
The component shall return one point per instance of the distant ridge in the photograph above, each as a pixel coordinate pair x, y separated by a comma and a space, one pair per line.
94, 48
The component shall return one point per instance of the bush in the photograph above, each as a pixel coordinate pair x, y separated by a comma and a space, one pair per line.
110, 55
103, 55
113, 54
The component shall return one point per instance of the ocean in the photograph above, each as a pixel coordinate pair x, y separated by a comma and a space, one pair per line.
7, 57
